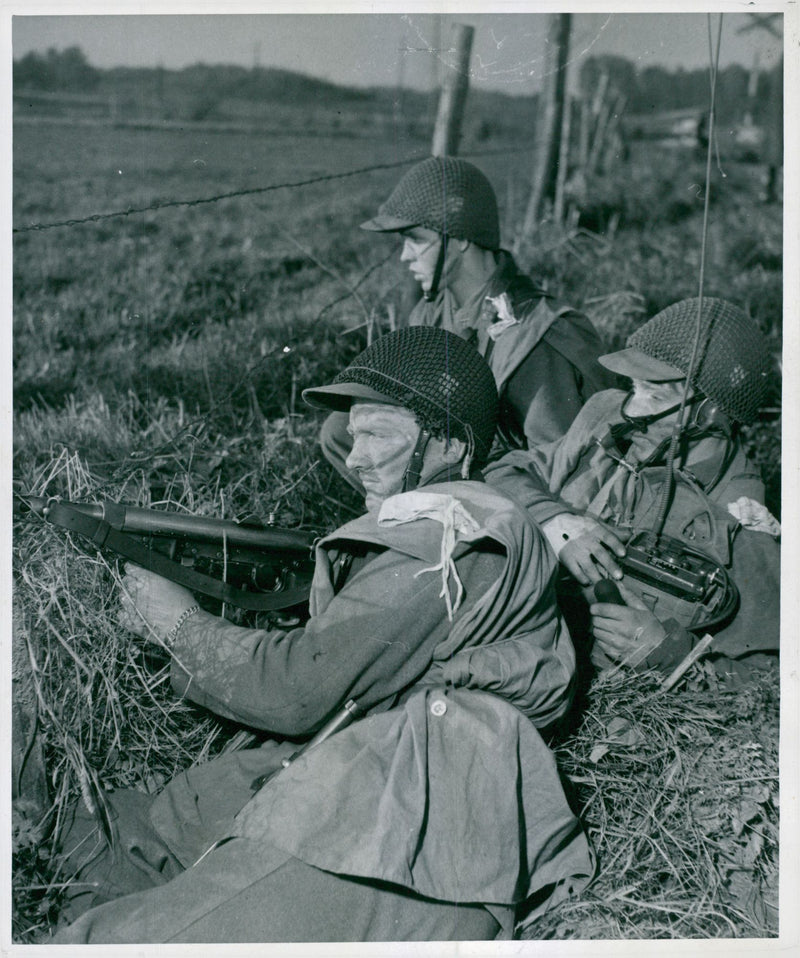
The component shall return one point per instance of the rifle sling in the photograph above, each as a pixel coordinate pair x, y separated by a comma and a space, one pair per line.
105, 536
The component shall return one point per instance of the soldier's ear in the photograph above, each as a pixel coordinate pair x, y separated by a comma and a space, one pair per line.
708, 417
462, 245
453, 450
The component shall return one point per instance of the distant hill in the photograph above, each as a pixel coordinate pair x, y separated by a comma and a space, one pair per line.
223, 81
64, 85
50, 83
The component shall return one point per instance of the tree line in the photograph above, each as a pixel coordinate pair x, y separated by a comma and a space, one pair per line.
56, 71
654, 89
646, 90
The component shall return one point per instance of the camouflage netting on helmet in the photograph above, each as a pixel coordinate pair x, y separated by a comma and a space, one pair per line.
733, 362
439, 376
450, 196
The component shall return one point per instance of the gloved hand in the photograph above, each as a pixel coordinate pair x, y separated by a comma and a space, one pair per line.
150, 605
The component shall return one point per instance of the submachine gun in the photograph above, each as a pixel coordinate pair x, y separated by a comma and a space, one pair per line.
260, 568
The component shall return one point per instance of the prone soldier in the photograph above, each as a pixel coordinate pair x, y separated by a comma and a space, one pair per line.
605, 480
440, 810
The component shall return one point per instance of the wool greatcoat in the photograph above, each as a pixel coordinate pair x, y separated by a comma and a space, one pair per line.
717, 508
442, 804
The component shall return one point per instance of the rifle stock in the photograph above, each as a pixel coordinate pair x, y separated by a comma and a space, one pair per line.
256, 567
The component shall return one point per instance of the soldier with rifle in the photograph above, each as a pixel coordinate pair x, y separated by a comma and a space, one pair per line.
543, 355
651, 489
429, 806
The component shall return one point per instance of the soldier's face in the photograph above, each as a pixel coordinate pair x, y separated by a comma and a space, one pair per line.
421, 251
649, 398
383, 441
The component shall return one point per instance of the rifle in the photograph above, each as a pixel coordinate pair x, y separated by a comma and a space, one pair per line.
249, 565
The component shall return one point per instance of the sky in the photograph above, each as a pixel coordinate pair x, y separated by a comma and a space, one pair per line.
408, 49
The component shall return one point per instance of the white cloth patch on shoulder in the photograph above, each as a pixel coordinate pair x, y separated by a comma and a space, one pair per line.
754, 516
505, 316
456, 523
408, 506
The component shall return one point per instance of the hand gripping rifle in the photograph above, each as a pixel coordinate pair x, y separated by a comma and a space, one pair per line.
251, 566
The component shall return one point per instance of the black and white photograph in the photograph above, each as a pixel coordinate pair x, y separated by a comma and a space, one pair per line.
395, 455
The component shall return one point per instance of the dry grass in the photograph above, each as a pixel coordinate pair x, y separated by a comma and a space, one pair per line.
679, 794
107, 717
151, 367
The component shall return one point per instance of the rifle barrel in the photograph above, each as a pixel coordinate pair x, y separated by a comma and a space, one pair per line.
139, 521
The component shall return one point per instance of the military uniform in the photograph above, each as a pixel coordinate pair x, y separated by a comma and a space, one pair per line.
543, 356
432, 817
612, 468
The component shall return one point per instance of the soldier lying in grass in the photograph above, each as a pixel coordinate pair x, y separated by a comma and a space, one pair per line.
543, 356
605, 479
440, 811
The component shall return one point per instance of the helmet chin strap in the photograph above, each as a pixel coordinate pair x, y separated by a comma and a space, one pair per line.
640, 423
695, 429
432, 293
413, 472
414, 468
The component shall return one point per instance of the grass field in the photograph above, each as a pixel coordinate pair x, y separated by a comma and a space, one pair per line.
159, 358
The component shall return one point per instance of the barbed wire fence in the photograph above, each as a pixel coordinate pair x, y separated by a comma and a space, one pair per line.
197, 425
234, 194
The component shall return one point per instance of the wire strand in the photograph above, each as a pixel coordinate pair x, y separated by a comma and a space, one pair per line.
235, 194
669, 482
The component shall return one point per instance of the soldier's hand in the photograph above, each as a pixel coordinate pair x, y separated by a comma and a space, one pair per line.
150, 604
586, 547
626, 633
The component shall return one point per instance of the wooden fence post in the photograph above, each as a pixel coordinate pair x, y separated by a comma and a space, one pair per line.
548, 127
615, 140
563, 162
447, 131
603, 109
585, 132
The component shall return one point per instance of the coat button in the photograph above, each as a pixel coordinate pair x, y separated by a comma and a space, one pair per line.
438, 707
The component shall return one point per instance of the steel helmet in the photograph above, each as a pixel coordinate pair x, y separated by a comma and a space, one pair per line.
436, 374
445, 194
732, 367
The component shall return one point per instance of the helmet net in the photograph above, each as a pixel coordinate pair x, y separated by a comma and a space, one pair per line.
450, 196
733, 362
440, 377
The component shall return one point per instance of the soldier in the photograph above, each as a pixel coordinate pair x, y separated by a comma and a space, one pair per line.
438, 812
605, 479
543, 356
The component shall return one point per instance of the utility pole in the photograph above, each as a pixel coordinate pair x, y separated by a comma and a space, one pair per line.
160, 90
447, 131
